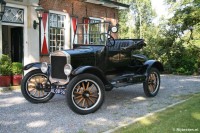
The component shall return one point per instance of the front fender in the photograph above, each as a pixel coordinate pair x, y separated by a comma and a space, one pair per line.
152, 63
36, 65
92, 70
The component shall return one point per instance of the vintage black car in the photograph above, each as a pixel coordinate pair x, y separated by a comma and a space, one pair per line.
97, 63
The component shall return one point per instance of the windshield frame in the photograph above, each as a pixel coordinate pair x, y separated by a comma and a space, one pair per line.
103, 35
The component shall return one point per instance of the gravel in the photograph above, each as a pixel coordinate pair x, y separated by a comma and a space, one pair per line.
120, 107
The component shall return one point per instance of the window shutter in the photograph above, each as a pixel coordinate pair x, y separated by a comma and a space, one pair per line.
86, 30
44, 35
73, 30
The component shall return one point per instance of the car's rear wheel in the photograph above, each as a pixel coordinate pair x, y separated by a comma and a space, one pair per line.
85, 94
152, 84
33, 86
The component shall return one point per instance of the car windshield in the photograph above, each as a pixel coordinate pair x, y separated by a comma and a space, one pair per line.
92, 33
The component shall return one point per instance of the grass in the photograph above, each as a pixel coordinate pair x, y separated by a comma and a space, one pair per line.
184, 117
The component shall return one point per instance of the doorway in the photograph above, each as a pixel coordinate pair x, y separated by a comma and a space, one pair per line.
13, 42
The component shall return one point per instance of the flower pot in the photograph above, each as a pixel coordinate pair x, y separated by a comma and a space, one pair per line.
16, 80
5, 81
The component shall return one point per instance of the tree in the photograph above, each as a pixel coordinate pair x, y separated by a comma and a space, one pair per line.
183, 49
135, 21
175, 42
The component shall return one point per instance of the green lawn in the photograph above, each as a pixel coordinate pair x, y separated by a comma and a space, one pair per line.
184, 117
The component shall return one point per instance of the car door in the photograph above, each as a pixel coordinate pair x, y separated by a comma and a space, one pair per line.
125, 54
113, 54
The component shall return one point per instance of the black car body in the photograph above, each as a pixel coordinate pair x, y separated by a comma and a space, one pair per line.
90, 68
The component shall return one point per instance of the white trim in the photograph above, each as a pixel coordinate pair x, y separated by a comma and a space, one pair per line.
12, 24
93, 18
58, 12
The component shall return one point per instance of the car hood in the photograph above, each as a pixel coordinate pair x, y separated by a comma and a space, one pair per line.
80, 51
82, 56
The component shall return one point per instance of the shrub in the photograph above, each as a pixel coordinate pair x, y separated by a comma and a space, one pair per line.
5, 65
17, 68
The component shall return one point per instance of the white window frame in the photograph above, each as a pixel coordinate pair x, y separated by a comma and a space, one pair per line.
66, 29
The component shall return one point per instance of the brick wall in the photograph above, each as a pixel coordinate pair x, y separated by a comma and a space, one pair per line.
81, 10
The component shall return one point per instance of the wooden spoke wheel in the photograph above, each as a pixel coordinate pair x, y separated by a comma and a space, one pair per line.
152, 84
33, 86
85, 93
36, 85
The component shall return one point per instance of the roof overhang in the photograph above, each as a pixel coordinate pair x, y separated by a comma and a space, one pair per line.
108, 3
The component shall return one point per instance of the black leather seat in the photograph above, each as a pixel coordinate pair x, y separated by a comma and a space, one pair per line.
115, 47
127, 43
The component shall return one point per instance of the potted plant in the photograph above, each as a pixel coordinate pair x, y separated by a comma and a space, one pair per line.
16, 73
5, 71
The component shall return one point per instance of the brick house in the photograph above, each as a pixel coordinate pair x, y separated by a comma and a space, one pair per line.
20, 39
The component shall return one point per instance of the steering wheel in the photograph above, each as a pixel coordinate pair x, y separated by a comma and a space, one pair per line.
110, 41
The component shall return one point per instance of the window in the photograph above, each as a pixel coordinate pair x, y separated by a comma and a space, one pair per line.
57, 32
92, 33
13, 15
95, 31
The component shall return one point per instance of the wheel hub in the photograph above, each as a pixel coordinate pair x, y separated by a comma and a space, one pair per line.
86, 94
39, 86
151, 81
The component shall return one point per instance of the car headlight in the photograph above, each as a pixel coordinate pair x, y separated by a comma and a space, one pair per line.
44, 67
67, 69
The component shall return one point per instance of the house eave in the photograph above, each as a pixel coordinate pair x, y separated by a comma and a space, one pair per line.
108, 3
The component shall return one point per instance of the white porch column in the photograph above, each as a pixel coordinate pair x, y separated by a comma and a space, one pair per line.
31, 46
31, 50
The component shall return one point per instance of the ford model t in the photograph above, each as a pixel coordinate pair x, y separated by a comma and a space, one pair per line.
96, 63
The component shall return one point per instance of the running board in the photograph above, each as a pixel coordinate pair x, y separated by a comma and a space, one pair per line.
127, 79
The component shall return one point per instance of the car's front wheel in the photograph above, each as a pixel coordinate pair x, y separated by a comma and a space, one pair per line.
33, 87
85, 94
152, 84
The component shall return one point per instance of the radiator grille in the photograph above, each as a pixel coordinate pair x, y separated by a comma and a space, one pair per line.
57, 67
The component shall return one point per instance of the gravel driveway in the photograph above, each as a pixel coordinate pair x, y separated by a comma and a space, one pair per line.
121, 105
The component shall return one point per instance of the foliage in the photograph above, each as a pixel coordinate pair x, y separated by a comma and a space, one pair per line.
17, 68
175, 41
135, 22
5, 65
183, 57
183, 60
